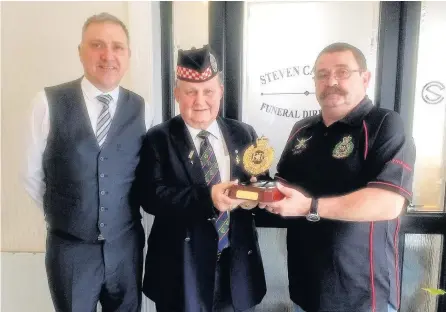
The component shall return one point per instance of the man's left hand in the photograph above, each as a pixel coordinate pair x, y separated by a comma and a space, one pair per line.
294, 204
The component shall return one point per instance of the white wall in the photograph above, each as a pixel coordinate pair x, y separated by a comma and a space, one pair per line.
39, 48
24, 283
1, 276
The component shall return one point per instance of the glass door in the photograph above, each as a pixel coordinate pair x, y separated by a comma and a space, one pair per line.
281, 43
425, 112
268, 50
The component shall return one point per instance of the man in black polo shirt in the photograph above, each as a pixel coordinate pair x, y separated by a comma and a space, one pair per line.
350, 172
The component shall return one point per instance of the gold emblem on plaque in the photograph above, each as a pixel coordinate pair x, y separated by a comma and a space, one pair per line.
258, 158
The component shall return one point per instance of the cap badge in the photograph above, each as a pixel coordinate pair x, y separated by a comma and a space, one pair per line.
213, 62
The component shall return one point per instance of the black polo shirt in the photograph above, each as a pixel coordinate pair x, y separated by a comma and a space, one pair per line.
337, 266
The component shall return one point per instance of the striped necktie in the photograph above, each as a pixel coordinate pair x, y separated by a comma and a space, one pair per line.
212, 176
104, 119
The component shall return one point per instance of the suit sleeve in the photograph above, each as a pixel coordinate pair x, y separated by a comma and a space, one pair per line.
391, 158
161, 198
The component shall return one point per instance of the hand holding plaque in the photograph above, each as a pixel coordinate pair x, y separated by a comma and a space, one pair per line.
257, 159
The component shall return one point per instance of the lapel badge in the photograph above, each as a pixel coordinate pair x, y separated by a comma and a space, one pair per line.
237, 158
191, 154
344, 148
301, 145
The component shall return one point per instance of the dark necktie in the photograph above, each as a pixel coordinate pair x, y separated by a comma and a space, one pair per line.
212, 177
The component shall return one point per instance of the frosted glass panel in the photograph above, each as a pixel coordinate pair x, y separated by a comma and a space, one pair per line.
421, 269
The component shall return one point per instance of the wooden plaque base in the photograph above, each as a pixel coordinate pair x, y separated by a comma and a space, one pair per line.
261, 191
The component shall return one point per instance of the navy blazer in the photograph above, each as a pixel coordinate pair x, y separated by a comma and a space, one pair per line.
182, 246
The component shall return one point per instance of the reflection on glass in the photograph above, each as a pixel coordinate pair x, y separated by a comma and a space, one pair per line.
430, 110
421, 267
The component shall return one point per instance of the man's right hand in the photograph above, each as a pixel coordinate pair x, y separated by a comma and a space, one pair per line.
220, 198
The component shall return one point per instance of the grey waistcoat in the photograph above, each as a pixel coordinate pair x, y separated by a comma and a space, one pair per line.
88, 190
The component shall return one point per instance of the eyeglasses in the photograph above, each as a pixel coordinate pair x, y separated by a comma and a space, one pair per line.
339, 74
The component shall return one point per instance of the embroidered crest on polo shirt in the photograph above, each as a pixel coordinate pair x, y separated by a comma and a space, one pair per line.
344, 148
300, 146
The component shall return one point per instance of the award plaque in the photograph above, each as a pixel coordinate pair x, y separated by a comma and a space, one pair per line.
257, 159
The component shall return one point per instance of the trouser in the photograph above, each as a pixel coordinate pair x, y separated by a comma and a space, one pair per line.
222, 288
222, 292
82, 274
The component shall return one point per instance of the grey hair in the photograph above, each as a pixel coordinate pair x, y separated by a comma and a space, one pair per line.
221, 79
105, 17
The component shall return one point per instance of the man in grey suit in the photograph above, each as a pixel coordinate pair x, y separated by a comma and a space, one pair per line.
84, 146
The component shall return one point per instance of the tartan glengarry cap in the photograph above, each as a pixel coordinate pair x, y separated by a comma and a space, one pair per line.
197, 65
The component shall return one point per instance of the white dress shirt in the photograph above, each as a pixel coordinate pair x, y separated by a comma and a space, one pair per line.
218, 144
40, 127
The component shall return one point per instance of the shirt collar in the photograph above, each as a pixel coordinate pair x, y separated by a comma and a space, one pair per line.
357, 114
212, 129
91, 92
